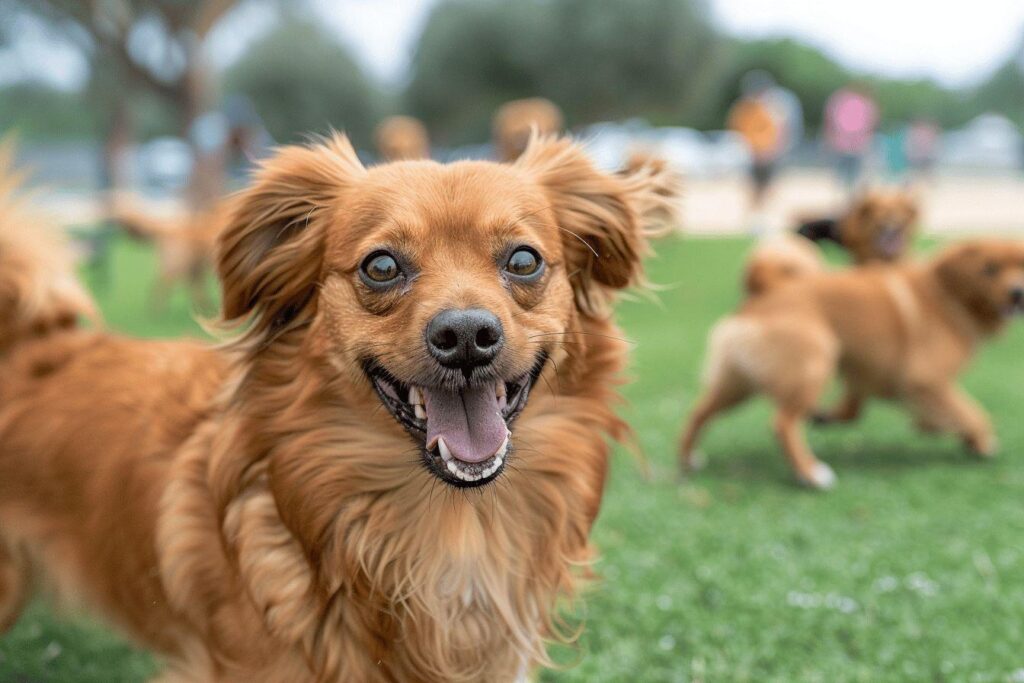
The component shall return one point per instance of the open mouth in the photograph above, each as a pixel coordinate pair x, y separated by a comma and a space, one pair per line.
464, 434
891, 242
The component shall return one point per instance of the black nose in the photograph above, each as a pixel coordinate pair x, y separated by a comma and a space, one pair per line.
1017, 295
464, 339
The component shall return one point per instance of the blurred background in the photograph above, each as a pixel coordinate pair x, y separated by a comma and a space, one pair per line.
175, 99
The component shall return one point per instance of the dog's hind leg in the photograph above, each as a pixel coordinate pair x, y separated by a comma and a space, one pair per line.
719, 398
789, 427
950, 409
14, 584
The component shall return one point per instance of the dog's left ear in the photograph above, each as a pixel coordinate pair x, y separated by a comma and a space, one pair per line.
605, 219
270, 250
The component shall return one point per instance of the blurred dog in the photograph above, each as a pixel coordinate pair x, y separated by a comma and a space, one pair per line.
39, 293
516, 121
779, 259
879, 226
402, 138
391, 474
896, 332
185, 244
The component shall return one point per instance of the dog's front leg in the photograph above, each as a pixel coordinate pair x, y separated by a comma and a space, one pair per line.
950, 409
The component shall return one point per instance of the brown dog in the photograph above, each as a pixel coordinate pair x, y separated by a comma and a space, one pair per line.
897, 332
879, 226
516, 121
402, 138
779, 259
390, 475
185, 244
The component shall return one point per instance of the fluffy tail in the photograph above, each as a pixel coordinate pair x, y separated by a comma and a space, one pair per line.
39, 292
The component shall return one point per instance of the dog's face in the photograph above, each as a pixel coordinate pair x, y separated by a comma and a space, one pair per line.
882, 224
988, 275
440, 291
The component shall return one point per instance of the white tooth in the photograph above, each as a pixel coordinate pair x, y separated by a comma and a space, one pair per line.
420, 413
453, 468
499, 389
446, 454
414, 396
497, 462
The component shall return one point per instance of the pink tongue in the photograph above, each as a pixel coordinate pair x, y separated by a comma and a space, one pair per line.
468, 420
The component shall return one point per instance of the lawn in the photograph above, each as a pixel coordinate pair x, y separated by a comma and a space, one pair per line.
911, 570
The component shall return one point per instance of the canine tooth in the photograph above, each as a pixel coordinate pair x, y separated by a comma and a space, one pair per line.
453, 468
504, 446
420, 413
414, 396
446, 454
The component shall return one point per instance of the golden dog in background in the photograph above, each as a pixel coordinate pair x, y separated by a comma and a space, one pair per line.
402, 138
879, 226
516, 121
390, 475
185, 244
896, 332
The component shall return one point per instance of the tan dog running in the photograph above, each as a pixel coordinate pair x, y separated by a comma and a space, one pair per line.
898, 332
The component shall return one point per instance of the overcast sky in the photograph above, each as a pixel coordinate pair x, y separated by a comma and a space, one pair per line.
954, 41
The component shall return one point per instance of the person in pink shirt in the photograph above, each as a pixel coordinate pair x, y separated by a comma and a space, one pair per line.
851, 117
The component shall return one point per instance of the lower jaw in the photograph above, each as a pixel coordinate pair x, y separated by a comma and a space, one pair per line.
465, 475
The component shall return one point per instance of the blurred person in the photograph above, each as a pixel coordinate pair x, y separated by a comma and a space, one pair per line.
514, 121
851, 117
402, 138
756, 118
922, 147
894, 151
788, 110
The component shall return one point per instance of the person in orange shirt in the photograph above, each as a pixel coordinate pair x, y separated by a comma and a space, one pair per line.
760, 126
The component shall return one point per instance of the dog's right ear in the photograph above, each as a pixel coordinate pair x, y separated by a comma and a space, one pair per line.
270, 250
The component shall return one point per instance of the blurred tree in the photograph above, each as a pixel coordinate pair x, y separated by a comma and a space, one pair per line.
38, 111
301, 80
1003, 91
597, 59
153, 47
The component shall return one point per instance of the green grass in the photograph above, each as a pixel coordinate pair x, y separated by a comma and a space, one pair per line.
911, 570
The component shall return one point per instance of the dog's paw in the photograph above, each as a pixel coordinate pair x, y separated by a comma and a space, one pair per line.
821, 477
693, 462
984, 446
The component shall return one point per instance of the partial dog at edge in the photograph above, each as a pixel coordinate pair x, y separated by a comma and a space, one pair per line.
896, 332
390, 474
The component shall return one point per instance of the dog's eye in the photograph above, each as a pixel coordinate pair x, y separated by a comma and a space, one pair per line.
524, 263
380, 268
992, 269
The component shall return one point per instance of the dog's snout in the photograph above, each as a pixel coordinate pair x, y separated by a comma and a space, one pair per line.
1017, 295
464, 338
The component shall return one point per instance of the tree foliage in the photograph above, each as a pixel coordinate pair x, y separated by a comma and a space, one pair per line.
597, 59
302, 81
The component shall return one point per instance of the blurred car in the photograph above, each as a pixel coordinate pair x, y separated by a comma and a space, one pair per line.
990, 141
690, 151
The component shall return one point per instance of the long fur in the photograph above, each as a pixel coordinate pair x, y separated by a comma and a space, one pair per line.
252, 513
